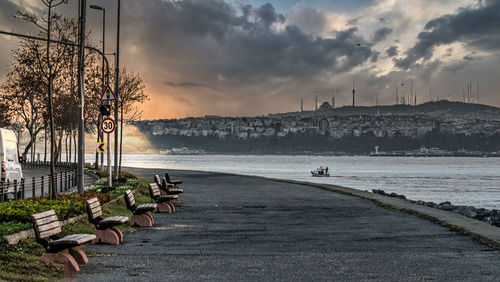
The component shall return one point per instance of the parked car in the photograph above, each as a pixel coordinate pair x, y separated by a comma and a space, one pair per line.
10, 167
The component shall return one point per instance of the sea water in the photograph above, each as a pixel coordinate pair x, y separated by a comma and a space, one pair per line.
462, 181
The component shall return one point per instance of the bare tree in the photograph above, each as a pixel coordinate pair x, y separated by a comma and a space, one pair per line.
131, 93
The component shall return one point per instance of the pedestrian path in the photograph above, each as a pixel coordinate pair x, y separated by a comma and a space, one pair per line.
242, 228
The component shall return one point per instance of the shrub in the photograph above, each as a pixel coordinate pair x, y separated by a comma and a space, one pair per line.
103, 198
127, 174
7, 228
21, 211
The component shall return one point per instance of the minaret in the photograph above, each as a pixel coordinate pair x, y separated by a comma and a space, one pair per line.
477, 93
411, 90
316, 102
301, 105
353, 95
333, 101
397, 97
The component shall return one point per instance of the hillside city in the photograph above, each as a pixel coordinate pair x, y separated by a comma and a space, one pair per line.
327, 123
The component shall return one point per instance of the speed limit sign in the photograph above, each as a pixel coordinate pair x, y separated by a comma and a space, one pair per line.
108, 125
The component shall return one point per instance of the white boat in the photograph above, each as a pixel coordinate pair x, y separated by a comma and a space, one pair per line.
185, 151
320, 172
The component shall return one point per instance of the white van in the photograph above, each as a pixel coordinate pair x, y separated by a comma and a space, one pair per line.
11, 168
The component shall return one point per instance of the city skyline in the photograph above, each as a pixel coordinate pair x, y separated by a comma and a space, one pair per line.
247, 58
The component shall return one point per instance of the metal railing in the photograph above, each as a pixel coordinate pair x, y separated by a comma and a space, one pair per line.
37, 186
60, 166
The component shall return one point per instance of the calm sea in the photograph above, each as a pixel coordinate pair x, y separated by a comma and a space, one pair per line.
463, 181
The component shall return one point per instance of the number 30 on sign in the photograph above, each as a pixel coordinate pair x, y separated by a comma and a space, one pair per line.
108, 125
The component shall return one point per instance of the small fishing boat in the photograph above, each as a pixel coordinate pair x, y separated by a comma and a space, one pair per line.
320, 172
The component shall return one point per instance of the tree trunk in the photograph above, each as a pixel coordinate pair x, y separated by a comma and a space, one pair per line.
51, 111
69, 151
74, 143
45, 146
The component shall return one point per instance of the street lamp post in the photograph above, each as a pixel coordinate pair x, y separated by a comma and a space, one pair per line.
117, 95
99, 132
81, 91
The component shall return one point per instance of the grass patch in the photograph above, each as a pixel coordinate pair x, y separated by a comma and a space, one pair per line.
22, 262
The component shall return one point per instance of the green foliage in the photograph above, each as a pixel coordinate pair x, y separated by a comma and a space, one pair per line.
7, 228
21, 211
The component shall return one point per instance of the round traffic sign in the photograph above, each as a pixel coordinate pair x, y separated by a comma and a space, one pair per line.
108, 125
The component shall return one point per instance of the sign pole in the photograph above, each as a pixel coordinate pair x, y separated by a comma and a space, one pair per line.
108, 125
108, 149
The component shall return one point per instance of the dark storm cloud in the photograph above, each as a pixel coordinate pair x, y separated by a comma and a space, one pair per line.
188, 84
478, 28
214, 42
392, 51
381, 34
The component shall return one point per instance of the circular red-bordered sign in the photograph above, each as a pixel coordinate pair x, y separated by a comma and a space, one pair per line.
108, 125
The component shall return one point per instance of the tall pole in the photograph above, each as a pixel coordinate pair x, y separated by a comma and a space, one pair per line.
81, 73
100, 134
353, 94
117, 82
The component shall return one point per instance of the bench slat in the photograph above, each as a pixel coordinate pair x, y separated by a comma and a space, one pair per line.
130, 197
46, 227
154, 190
96, 209
93, 200
43, 214
46, 220
74, 239
113, 219
50, 232
94, 204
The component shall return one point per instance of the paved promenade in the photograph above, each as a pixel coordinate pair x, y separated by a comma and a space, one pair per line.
241, 228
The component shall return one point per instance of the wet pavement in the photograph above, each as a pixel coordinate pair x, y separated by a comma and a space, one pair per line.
241, 228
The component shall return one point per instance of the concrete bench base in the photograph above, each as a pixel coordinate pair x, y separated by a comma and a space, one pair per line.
70, 259
142, 220
109, 236
165, 207
176, 201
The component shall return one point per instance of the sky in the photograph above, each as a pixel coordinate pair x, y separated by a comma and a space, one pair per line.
254, 57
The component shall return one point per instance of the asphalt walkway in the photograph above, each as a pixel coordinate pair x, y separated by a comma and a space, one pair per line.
241, 228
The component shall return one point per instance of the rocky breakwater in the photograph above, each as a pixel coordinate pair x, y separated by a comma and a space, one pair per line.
486, 215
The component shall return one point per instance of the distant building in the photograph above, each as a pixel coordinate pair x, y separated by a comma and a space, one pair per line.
325, 106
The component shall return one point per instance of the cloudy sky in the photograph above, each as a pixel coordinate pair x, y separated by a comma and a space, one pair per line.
252, 57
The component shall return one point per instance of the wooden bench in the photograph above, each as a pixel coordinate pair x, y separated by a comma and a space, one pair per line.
171, 191
59, 250
141, 215
168, 189
174, 182
164, 202
106, 231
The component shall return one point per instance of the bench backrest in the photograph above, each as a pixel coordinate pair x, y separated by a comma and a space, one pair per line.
93, 208
167, 177
164, 183
129, 199
46, 224
157, 180
154, 191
